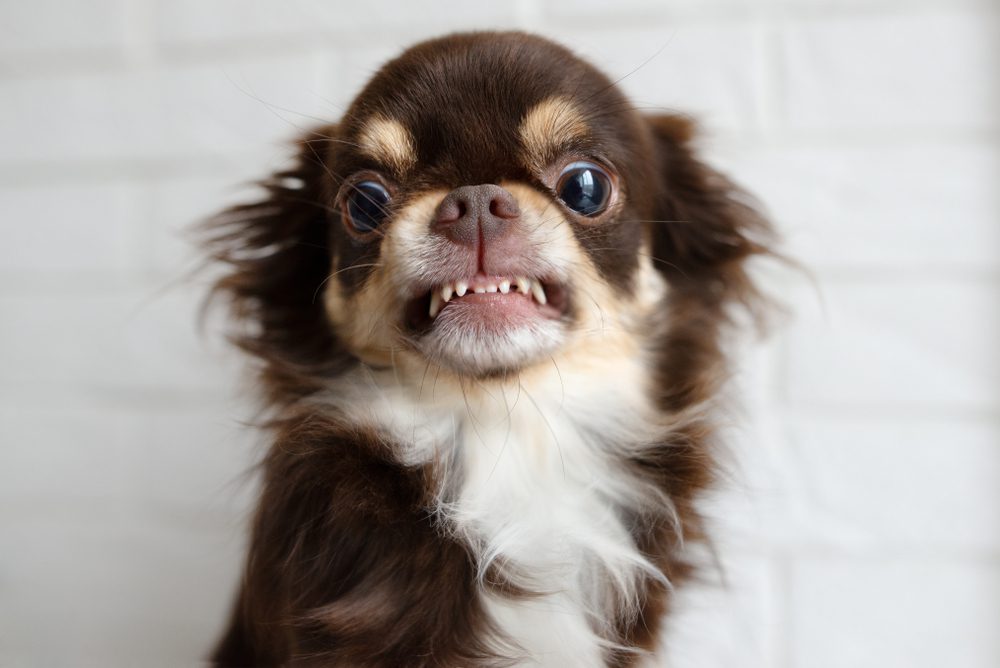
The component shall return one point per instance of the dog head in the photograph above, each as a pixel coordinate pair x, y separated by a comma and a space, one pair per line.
489, 201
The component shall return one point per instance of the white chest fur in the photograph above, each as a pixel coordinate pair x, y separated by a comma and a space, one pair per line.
533, 477
544, 496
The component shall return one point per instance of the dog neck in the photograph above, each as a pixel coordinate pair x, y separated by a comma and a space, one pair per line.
533, 473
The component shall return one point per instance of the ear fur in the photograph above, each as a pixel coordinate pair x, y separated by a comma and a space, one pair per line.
278, 253
705, 226
704, 230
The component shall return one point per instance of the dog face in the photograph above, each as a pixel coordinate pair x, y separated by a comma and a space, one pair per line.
485, 215
488, 202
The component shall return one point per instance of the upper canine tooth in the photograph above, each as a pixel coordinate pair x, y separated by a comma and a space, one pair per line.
461, 287
504, 286
523, 284
446, 292
435, 304
491, 288
538, 292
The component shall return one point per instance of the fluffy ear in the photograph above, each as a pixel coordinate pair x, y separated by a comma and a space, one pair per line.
278, 255
704, 230
704, 226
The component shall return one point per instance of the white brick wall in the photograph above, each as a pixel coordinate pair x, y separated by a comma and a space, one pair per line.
845, 72
861, 526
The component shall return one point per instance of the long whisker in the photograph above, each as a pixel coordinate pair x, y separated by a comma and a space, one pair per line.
340, 271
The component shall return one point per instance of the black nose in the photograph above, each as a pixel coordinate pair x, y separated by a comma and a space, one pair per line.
469, 212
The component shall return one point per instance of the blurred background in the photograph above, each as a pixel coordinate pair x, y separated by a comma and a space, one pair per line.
861, 526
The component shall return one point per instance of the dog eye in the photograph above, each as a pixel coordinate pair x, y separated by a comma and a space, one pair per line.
585, 188
367, 205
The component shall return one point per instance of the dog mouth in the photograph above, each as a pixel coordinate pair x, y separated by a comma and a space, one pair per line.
488, 303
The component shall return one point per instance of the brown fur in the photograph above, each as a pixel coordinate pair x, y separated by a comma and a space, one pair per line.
347, 566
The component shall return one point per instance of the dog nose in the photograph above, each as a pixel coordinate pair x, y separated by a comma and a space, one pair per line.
470, 211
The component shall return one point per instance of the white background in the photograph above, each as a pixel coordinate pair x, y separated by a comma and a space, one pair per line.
861, 527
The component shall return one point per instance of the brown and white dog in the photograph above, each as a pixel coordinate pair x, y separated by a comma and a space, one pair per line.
487, 309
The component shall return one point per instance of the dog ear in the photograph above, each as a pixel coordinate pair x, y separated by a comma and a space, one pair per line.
278, 254
704, 227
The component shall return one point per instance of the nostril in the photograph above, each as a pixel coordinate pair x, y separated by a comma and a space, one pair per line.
503, 205
450, 210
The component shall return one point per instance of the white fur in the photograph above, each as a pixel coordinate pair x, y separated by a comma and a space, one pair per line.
531, 476
507, 348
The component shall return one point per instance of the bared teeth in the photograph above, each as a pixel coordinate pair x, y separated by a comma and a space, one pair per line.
538, 292
448, 291
435, 304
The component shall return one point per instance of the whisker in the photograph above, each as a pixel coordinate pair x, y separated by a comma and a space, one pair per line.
340, 271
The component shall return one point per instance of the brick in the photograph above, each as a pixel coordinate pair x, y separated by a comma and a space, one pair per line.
135, 339
97, 496
356, 66
65, 455
115, 590
895, 342
637, 12
713, 72
912, 206
50, 25
886, 484
220, 108
898, 612
754, 506
724, 620
93, 452
890, 73
231, 107
69, 229
852, 7
113, 115
177, 204
193, 463
189, 20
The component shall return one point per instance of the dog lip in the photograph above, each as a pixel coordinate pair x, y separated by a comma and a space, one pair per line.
516, 286
497, 298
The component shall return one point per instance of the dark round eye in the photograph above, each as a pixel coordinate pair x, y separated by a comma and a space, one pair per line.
585, 188
367, 205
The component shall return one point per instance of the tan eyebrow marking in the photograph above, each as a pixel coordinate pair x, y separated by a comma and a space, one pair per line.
389, 142
548, 128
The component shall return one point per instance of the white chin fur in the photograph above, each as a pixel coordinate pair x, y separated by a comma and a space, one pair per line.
470, 350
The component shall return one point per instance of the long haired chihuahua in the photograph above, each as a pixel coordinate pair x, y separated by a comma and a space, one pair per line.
486, 308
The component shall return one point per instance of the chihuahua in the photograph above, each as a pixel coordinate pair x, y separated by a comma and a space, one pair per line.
486, 309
